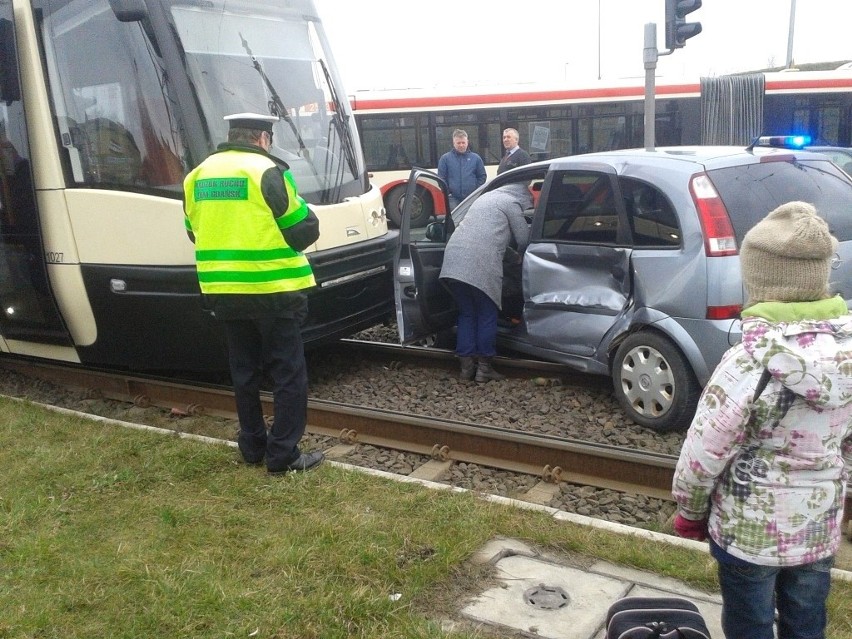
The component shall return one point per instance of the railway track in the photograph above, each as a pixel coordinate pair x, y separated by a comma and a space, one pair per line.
432, 356
551, 459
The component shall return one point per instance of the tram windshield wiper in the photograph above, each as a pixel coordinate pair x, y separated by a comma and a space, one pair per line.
276, 105
343, 131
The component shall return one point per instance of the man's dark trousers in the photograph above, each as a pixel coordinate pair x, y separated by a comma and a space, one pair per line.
275, 343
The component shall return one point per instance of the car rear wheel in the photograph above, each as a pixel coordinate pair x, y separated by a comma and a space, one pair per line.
654, 383
421, 211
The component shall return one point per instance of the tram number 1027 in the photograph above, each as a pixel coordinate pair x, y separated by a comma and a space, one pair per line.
54, 257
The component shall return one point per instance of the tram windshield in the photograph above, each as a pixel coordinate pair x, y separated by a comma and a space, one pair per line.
272, 57
123, 102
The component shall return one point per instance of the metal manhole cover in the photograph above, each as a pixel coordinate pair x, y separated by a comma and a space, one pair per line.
546, 597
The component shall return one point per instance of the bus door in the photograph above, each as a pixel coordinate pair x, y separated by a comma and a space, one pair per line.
27, 308
423, 305
576, 269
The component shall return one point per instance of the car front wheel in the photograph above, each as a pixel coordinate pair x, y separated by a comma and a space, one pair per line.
654, 383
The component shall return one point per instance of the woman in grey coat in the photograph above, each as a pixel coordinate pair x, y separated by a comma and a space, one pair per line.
473, 271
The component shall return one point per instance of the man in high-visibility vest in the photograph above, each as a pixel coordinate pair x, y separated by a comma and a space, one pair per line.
250, 226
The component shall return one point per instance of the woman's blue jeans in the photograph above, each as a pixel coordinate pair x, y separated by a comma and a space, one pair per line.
751, 593
476, 332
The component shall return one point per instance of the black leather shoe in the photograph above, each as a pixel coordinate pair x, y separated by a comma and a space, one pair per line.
306, 461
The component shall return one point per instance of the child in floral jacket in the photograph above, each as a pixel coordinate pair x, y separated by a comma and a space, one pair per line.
765, 463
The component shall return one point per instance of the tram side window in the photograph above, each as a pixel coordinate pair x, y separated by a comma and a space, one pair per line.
111, 99
17, 199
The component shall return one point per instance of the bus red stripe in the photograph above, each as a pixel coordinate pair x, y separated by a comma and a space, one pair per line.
431, 102
567, 95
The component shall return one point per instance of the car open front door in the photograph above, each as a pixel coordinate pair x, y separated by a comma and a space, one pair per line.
423, 305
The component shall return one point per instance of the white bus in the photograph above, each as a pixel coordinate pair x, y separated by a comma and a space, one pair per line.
401, 129
105, 105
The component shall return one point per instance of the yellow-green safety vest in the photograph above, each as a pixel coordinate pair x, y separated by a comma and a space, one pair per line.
239, 247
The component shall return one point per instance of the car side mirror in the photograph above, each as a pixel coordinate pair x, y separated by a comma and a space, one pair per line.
436, 232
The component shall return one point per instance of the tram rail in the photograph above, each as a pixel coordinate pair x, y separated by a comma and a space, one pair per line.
445, 441
552, 459
510, 366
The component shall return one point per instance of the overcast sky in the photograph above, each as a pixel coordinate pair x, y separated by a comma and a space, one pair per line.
383, 44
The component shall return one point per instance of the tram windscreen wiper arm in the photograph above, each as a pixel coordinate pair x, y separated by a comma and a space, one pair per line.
342, 128
278, 105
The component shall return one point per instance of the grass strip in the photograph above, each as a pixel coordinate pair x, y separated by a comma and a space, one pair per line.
110, 532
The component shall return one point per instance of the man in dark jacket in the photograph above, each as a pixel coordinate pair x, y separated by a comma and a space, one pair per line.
462, 169
513, 155
250, 226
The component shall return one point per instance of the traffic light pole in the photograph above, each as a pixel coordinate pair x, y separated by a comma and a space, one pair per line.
649, 57
678, 31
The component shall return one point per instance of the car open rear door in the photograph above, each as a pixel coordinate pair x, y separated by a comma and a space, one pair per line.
423, 305
577, 273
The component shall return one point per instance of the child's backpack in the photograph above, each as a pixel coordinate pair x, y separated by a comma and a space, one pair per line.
652, 617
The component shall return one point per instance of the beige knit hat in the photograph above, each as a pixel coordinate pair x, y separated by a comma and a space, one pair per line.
786, 257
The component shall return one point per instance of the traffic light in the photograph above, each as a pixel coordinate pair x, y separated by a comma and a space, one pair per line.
678, 30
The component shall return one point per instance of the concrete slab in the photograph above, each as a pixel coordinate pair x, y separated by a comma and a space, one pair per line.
543, 492
546, 600
432, 470
543, 596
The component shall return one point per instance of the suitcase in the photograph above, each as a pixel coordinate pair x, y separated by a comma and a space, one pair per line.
655, 617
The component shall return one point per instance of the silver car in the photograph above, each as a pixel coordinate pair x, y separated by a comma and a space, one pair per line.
633, 269
840, 155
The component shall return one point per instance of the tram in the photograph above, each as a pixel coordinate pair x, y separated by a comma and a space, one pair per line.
105, 105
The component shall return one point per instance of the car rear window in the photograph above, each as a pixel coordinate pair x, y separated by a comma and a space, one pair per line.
751, 191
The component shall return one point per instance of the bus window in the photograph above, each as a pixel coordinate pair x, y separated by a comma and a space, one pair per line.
603, 133
539, 138
111, 101
549, 131
482, 128
822, 123
393, 143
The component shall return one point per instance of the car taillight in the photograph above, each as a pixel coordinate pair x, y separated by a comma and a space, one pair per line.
719, 239
724, 312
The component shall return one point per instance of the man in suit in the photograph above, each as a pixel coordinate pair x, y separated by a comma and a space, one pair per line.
513, 155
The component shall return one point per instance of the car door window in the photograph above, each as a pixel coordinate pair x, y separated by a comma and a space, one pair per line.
652, 219
581, 207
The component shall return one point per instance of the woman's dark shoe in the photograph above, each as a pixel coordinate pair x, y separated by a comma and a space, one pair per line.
485, 372
468, 368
